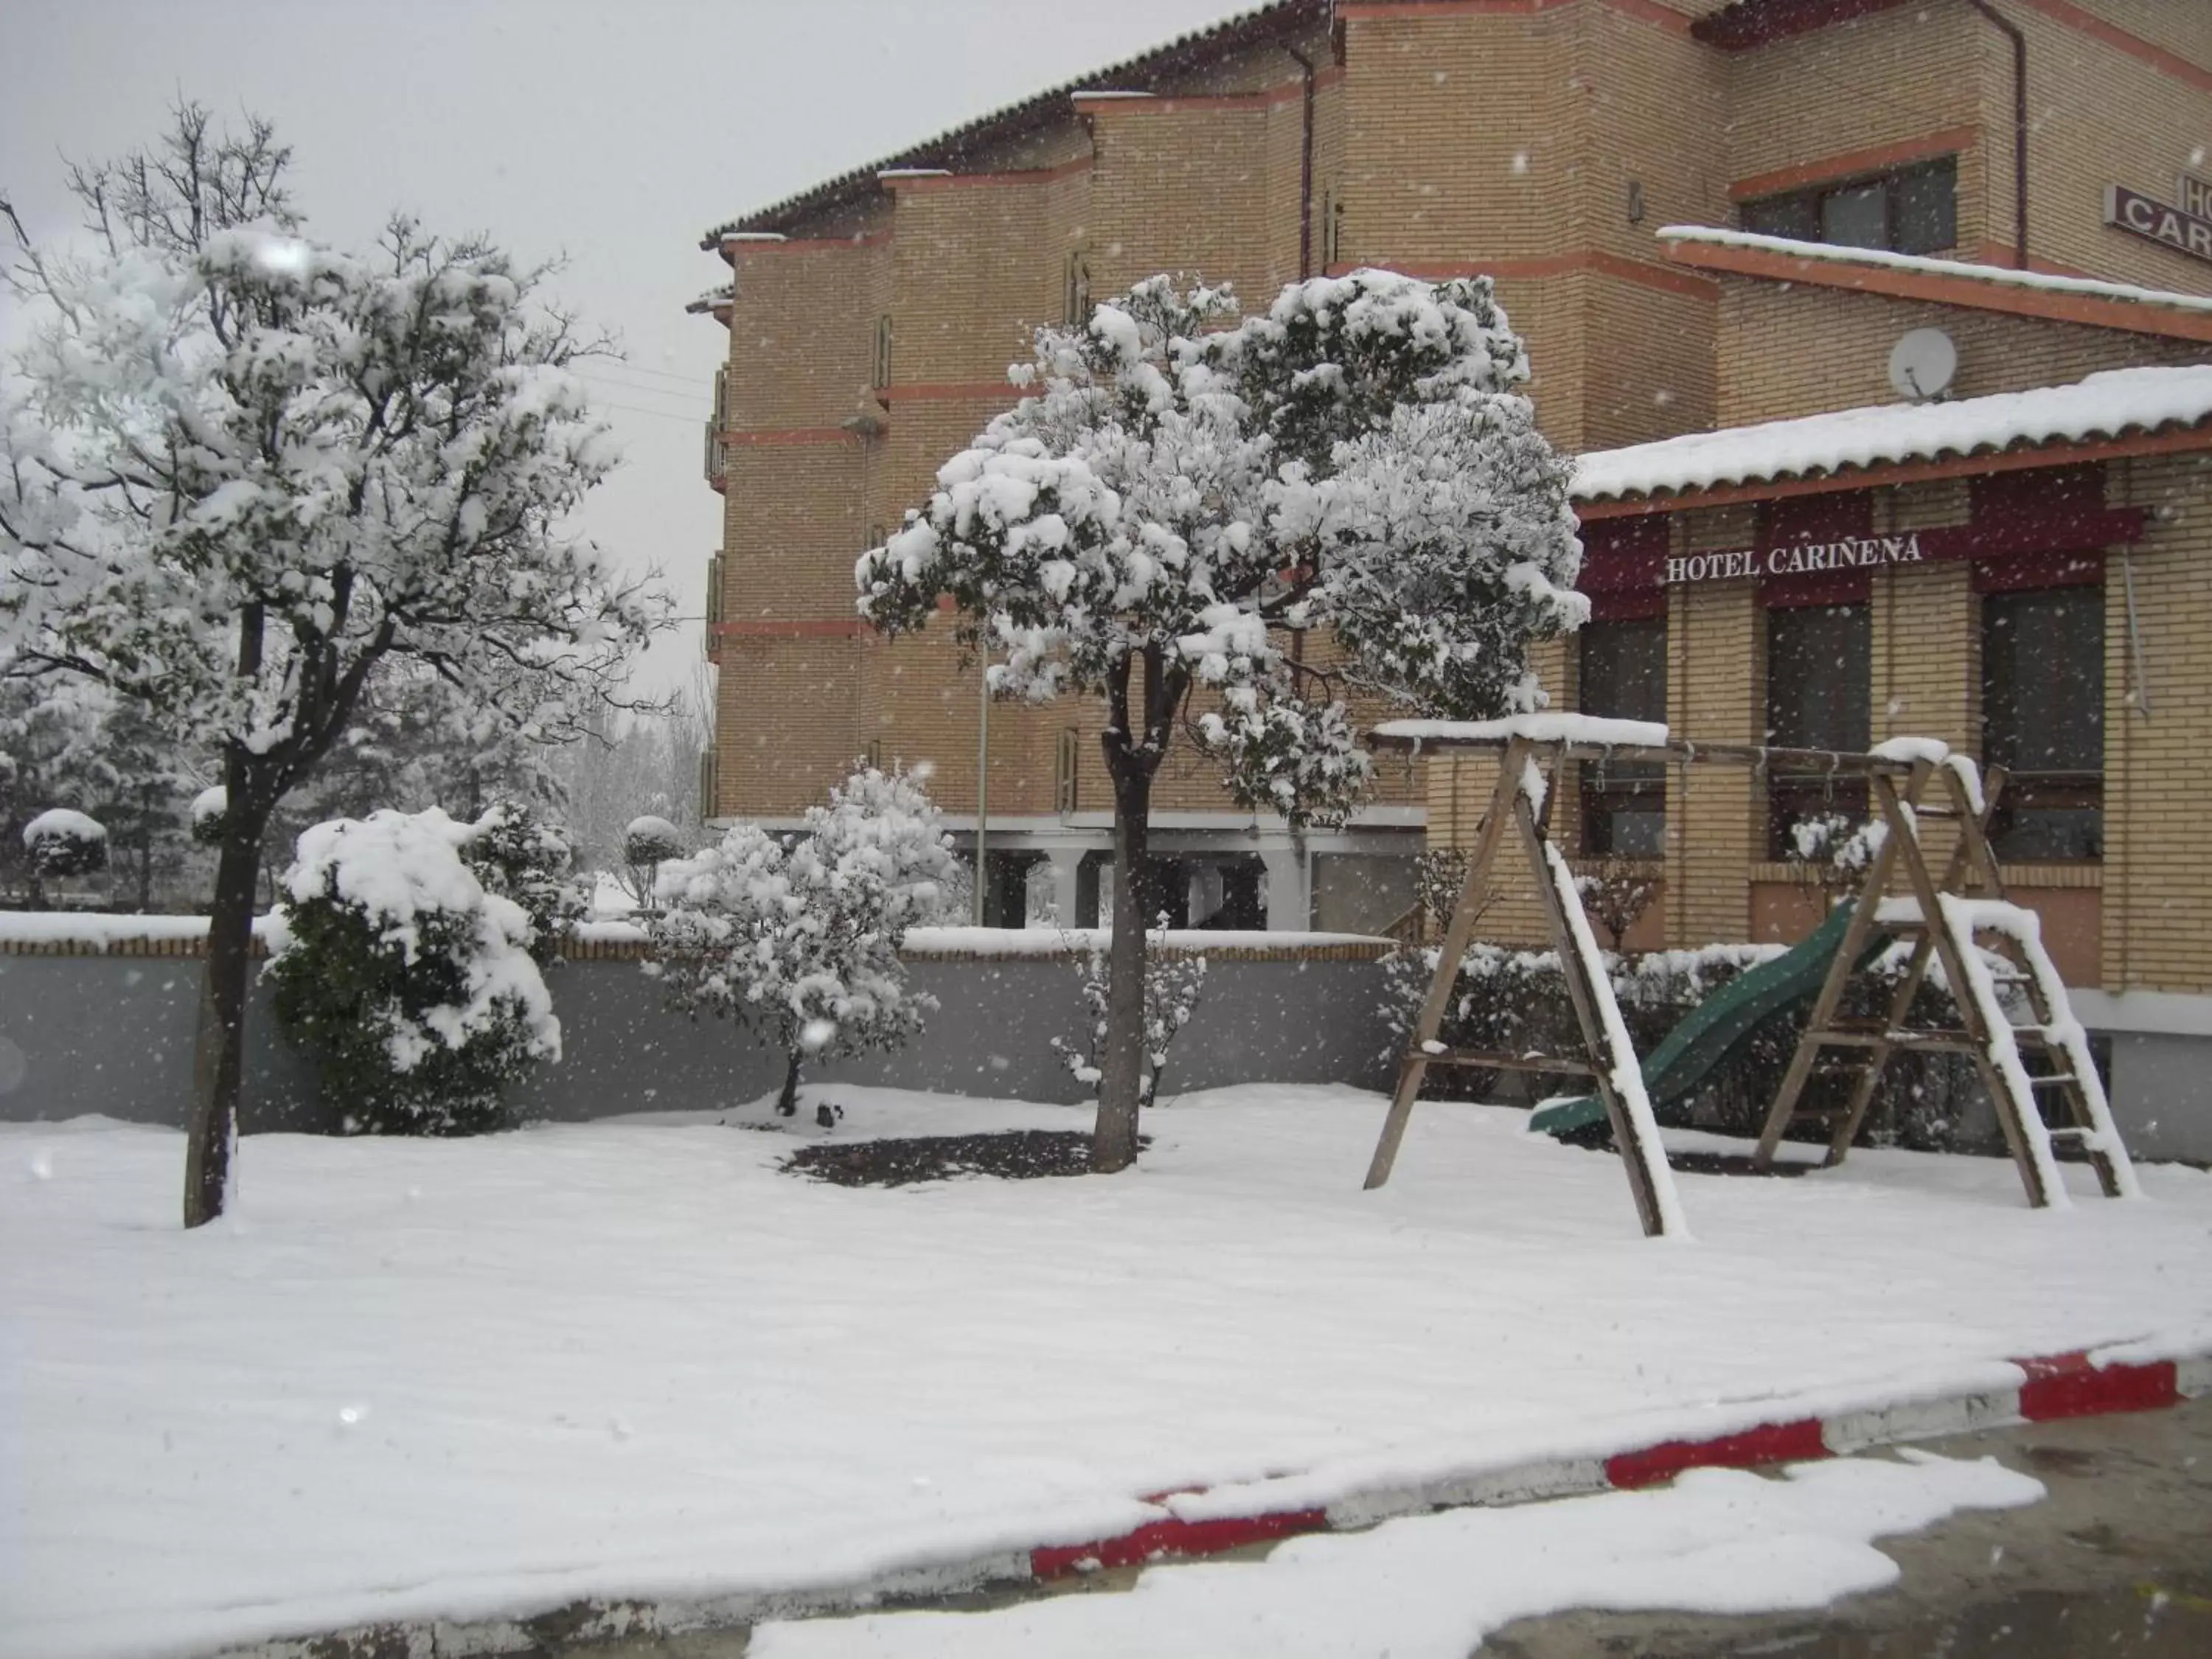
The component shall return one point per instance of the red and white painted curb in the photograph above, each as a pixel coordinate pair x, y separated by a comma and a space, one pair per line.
2052, 1387
1201, 1523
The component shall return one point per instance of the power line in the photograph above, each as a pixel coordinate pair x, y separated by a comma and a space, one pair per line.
657, 414
627, 367
696, 390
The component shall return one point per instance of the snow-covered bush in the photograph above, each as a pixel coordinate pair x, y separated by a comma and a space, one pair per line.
519, 854
64, 842
1179, 496
1172, 986
411, 986
207, 810
799, 936
1516, 1001
649, 843
60, 843
1615, 893
1836, 847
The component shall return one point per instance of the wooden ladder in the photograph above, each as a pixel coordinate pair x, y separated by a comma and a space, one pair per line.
1946, 926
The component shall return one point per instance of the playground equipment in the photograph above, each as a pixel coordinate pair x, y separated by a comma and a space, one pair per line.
1945, 919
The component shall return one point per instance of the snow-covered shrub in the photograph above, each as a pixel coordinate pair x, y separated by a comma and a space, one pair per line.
1837, 847
1171, 991
1615, 894
649, 843
411, 986
799, 936
1516, 1001
207, 810
519, 854
62, 842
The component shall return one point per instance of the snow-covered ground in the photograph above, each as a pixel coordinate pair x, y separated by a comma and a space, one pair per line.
463, 1377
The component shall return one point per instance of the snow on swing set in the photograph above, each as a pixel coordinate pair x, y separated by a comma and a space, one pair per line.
1948, 918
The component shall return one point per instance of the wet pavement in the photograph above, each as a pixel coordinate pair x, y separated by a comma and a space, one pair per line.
2116, 1560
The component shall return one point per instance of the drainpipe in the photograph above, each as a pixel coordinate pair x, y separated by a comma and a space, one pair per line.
2012, 32
1305, 165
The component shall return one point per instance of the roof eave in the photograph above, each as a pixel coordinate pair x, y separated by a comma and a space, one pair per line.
2171, 438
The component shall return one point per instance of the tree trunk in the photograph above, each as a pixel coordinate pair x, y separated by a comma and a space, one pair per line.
786, 1103
145, 856
1122, 1067
219, 1046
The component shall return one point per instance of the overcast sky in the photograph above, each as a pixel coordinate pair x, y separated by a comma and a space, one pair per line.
614, 132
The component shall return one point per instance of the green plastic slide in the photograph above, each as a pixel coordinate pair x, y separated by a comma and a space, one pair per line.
1718, 1025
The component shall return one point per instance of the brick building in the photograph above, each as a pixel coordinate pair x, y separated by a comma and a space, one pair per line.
2007, 196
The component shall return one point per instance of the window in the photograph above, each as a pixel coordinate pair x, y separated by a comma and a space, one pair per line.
2043, 719
710, 783
716, 462
1624, 675
1075, 290
1332, 229
1818, 689
879, 369
1912, 210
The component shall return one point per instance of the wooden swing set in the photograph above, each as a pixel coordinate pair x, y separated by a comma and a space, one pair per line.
1987, 948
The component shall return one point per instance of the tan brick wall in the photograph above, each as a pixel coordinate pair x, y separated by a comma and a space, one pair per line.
790, 731
1888, 79
1787, 350
801, 334
2098, 116
1463, 133
2175, 25
2158, 837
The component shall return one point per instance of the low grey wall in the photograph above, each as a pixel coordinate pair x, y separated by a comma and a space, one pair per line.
113, 1035
82, 1031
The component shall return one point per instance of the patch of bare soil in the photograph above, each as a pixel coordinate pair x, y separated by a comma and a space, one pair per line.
1006, 1154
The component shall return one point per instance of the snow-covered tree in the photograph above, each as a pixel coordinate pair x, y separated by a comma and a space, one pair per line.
418, 742
78, 746
632, 765
240, 472
648, 843
1176, 499
799, 936
414, 987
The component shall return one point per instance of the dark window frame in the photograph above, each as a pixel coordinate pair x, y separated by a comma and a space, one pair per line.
1622, 803
1792, 797
2048, 813
1803, 214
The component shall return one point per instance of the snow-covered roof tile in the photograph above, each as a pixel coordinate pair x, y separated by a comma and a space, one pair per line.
2000, 276
2108, 405
1259, 21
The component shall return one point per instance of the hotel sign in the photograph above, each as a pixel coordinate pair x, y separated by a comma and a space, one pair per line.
2186, 229
1797, 559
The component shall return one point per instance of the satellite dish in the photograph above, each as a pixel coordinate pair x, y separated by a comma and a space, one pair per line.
1921, 365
